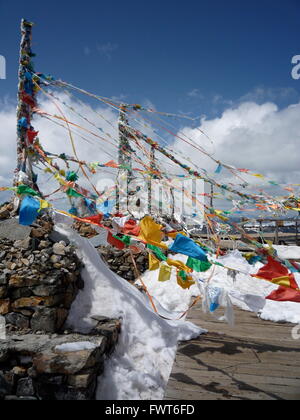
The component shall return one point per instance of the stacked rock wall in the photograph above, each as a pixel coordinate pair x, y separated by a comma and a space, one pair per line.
120, 262
55, 367
39, 278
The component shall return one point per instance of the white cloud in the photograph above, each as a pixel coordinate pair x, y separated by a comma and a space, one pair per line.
263, 94
55, 139
195, 93
261, 138
107, 49
257, 137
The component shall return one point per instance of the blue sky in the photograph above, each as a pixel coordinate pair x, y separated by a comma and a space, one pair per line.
197, 56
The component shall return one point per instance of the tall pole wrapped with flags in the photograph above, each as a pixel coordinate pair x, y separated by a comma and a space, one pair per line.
151, 177
26, 103
124, 156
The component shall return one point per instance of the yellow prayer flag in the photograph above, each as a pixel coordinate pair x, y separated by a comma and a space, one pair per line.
180, 265
174, 234
185, 284
44, 205
282, 281
153, 263
151, 232
164, 273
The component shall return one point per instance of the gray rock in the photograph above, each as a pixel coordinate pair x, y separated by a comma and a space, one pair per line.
59, 249
4, 276
70, 363
3, 292
23, 292
73, 394
11, 229
25, 388
44, 319
5, 387
4, 214
24, 244
57, 237
18, 320
55, 259
44, 290
4, 353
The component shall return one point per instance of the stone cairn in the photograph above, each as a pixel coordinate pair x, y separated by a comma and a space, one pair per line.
119, 262
39, 280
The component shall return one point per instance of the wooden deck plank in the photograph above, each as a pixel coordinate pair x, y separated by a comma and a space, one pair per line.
256, 360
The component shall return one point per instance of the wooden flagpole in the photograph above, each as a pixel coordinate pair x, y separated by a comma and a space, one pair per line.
26, 102
124, 153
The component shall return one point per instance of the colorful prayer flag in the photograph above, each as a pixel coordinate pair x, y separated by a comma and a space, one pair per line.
187, 246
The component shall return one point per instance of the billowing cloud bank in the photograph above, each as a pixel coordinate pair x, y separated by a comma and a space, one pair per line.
262, 138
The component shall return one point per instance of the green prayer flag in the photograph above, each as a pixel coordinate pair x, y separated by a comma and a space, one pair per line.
198, 266
72, 193
158, 252
24, 189
183, 275
72, 176
125, 239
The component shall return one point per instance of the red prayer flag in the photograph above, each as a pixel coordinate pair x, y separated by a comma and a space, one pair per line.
115, 242
274, 270
111, 164
31, 135
95, 219
131, 228
284, 294
29, 100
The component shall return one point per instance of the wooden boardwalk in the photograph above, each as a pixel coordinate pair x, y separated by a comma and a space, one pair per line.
257, 360
236, 243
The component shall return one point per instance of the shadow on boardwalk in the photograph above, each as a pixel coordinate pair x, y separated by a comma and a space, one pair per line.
256, 360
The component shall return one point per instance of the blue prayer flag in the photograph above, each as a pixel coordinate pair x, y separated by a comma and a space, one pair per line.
29, 211
187, 246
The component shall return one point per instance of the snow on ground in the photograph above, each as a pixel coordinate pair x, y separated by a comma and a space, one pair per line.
142, 362
141, 365
273, 311
73, 347
288, 252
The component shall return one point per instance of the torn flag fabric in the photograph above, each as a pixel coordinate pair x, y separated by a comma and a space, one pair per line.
214, 295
